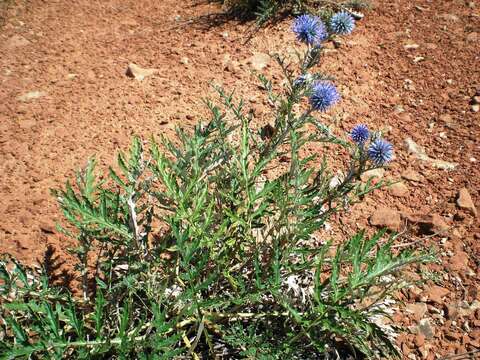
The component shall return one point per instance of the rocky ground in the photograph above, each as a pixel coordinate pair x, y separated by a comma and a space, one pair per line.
411, 68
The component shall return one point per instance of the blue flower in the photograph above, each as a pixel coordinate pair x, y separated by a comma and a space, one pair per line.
342, 23
360, 134
380, 152
323, 95
310, 29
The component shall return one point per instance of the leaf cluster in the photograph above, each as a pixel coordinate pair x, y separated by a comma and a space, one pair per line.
265, 11
205, 247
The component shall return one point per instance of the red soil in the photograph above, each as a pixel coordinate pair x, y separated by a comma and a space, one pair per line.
76, 54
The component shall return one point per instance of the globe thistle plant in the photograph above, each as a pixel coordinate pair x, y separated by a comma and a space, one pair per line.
186, 242
360, 134
323, 95
380, 152
342, 23
310, 29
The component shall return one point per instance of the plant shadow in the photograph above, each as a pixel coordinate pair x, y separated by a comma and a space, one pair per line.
234, 14
55, 269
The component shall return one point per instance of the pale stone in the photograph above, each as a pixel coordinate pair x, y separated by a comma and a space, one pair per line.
374, 173
464, 201
259, 61
399, 189
32, 95
138, 73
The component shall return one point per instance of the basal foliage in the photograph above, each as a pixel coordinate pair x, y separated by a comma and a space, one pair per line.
203, 246
267, 10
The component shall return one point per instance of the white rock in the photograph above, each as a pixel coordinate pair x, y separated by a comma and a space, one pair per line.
411, 46
415, 149
398, 109
443, 165
259, 61
374, 173
419, 152
138, 73
408, 85
32, 95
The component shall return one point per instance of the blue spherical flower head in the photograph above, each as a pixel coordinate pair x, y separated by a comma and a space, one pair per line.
323, 95
360, 134
310, 29
342, 23
380, 152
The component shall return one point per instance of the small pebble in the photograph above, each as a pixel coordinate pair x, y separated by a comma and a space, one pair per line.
411, 46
